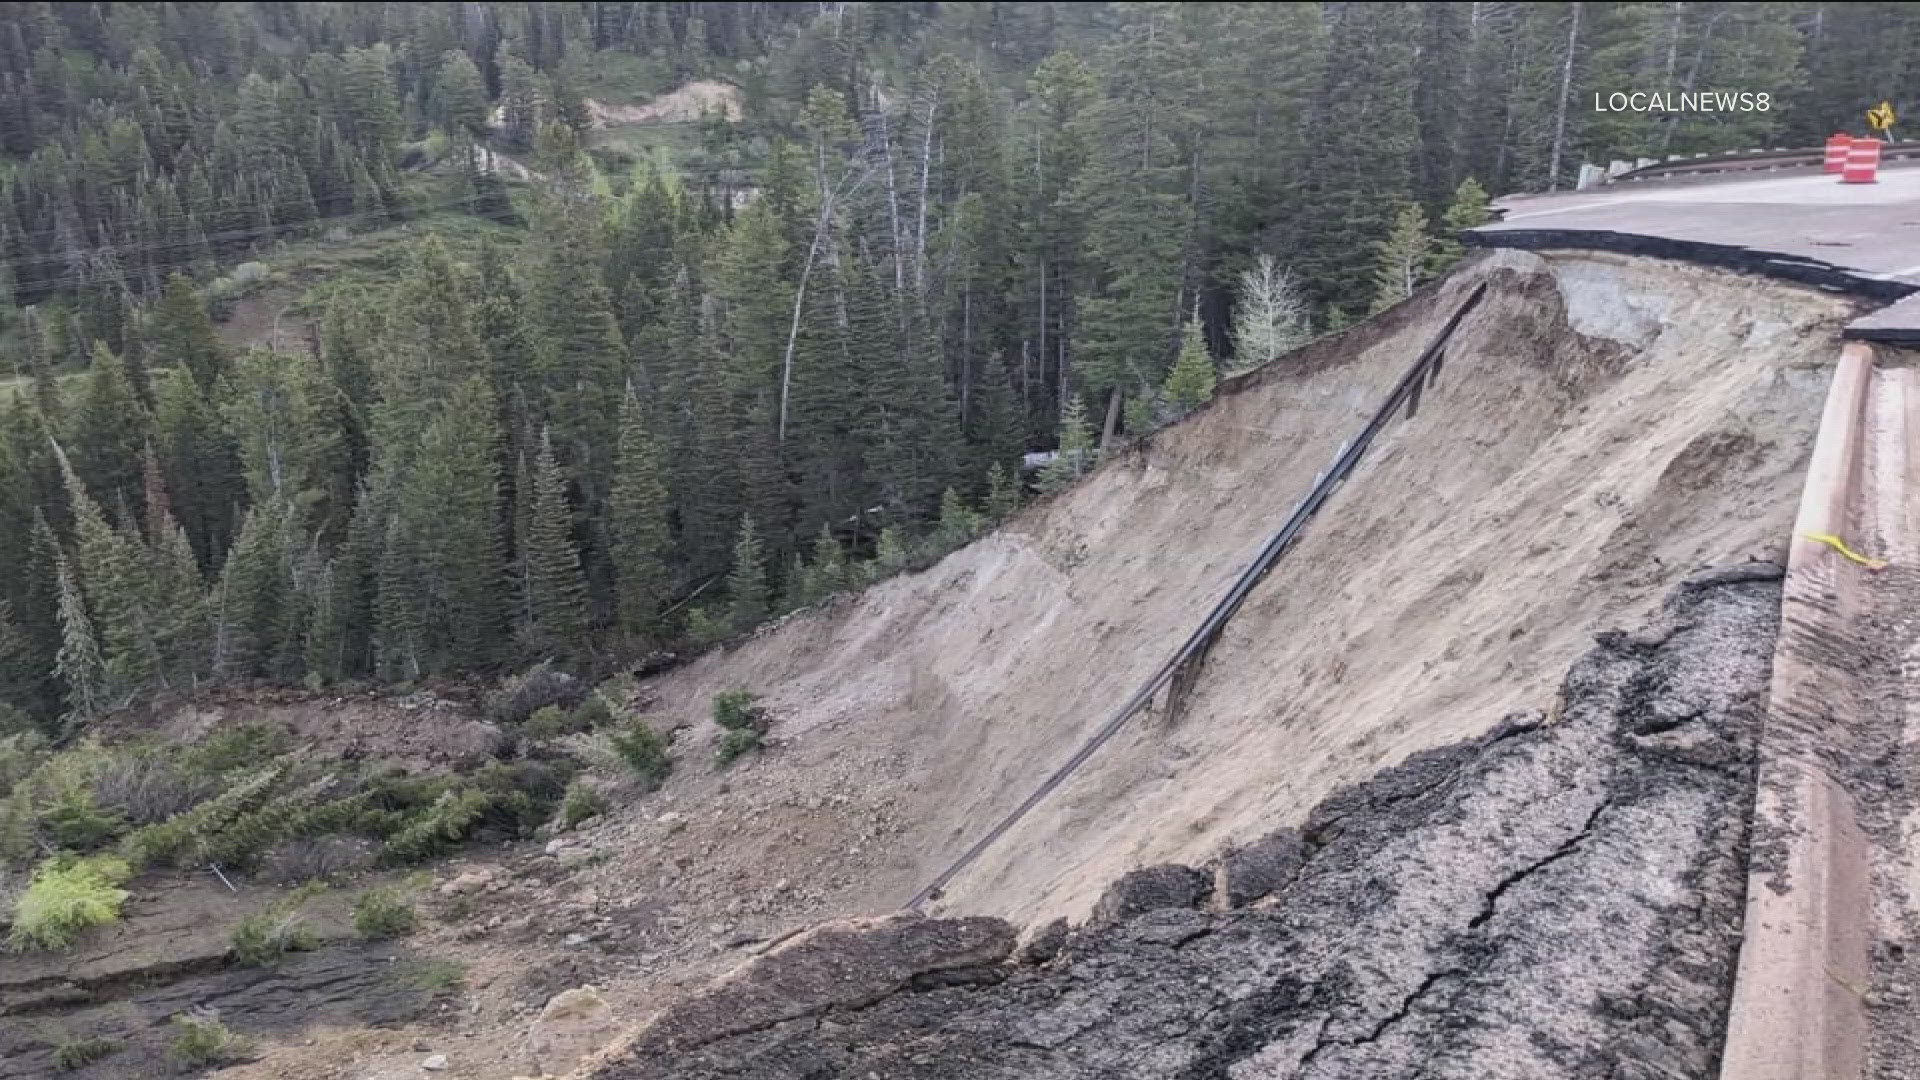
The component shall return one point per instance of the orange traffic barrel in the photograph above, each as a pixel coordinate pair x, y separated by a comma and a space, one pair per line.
1863, 162
1837, 147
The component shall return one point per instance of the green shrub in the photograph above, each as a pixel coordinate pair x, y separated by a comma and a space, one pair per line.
592, 714
737, 710
265, 936
643, 749
520, 696
200, 1041
549, 722
227, 750
434, 976
80, 1053
706, 627
66, 896
74, 820
383, 913
186, 837
582, 801
435, 830
736, 742
20, 754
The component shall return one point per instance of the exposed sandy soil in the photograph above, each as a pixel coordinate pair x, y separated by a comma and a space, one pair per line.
1576, 459
682, 106
1553, 900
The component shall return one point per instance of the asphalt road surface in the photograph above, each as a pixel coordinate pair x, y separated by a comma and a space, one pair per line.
1862, 238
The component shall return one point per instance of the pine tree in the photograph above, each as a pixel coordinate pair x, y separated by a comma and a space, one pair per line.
1190, 383
1269, 314
555, 588
399, 606
113, 574
450, 501
1468, 210
1003, 493
1365, 107
254, 600
21, 675
958, 523
460, 95
38, 367
826, 572
79, 664
180, 336
637, 524
890, 552
1403, 258
198, 463
1075, 454
747, 588
1137, 219
107, 429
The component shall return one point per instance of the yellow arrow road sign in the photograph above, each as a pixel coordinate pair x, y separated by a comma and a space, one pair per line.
1880, 117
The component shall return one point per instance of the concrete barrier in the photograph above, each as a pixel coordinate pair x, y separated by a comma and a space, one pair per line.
1799, 1000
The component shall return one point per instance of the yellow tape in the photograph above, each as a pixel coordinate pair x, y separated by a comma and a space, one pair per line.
1840, 546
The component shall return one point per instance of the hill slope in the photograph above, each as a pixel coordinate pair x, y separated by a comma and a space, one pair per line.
1602, 427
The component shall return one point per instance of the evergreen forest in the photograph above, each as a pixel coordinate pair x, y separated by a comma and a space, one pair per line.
600, 389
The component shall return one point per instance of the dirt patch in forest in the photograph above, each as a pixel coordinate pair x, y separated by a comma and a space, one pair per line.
262, 320
685, 105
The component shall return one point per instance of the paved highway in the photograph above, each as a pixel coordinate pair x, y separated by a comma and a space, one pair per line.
1862, 238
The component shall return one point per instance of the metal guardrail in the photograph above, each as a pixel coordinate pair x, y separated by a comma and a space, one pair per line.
1405, 392
1752, 161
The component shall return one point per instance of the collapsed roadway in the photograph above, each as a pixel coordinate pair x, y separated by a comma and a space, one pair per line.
1694, 861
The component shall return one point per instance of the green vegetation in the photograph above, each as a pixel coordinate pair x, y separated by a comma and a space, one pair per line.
643, 749
73, 1054
582, 801
532, 393
592, 714
735, 743
736, 708
739, 712
229, 801
201, 1041
267, 935
384, 913
435, 976
550, 722
65, 897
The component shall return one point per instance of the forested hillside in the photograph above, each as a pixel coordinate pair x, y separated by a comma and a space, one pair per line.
667, 392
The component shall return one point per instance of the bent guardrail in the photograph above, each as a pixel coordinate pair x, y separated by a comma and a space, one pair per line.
1405, 392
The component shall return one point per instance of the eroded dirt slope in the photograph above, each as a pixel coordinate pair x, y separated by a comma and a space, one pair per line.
1602, 427
1560, 897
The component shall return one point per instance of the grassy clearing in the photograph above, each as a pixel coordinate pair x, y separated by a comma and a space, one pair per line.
618, 78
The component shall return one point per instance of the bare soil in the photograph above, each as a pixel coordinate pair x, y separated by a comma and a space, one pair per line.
1554, 899
1576, 459
682, 106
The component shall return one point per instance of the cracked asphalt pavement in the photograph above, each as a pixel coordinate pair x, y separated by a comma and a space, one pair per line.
1561, 897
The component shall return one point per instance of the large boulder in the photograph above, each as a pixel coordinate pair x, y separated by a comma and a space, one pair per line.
1150, 888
